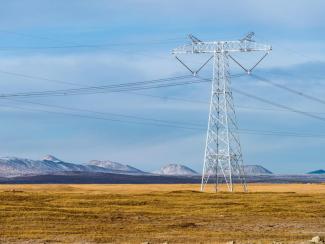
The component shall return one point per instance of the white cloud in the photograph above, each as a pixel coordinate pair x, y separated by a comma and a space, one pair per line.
300, 14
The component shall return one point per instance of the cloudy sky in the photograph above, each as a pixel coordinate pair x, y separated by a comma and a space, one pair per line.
47, 45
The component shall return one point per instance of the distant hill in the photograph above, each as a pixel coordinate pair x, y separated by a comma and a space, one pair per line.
114, 166
256, 170
176, 169
320, 171
252, 170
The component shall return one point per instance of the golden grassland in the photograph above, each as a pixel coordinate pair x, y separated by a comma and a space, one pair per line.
287, 213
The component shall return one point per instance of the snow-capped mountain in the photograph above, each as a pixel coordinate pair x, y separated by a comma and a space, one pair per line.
114, 166
13, 166
51, 158
176, 169
256, 170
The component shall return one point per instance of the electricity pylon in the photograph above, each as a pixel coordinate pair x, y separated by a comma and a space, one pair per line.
223, 155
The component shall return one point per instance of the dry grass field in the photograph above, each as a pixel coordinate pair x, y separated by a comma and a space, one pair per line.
286, 213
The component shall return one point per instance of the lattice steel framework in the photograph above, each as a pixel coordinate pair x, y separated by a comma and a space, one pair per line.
223, 155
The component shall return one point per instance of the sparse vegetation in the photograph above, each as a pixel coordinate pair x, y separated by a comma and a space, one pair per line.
160, 213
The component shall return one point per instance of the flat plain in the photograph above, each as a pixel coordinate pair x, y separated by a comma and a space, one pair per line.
283, 213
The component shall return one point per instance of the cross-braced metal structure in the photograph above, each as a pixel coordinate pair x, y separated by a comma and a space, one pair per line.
223, 155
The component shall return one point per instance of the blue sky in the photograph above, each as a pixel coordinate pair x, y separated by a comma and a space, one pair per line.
138, 37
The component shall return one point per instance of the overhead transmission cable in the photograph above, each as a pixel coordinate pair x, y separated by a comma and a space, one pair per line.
121, 87
293, 51
196, 101
174, 124
99, 45
23, 34
307, 114
161, 122
28, 76
164, 124
289, 89
128, 116
134, 86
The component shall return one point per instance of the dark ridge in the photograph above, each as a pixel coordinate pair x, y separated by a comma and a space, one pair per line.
97, 178
109, 178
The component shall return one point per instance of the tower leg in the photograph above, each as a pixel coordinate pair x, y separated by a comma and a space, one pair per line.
223, 156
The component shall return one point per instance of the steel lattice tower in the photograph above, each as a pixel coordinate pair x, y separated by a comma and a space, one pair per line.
223, 156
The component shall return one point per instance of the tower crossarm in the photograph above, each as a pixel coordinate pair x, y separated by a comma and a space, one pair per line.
221, 46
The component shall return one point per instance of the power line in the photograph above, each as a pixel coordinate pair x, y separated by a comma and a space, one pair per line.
76, 83
30, 36
195, 101
140, 85
77, 46
146, 95
274, 110
73, 45
124, 87
280, 105
96, 90
280, 133
130, 87
166, 121
27, 76
185, 100
108, 119
290, 50
65, 92
178, 125
61, 41
307, 114
160, 122
106, 113
156, 122
144, 118
289, 89
170, 98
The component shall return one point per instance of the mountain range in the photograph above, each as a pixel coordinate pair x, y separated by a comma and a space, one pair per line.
13, 167
50, 165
